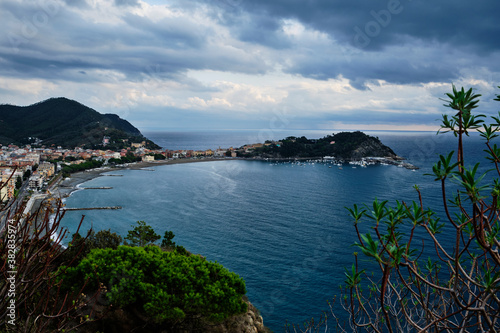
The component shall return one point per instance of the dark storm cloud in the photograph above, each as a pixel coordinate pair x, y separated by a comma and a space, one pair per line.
394, 67
458, 22
372, 29
66, 42
398, 41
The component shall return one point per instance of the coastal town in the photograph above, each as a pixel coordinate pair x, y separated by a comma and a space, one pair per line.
35, 166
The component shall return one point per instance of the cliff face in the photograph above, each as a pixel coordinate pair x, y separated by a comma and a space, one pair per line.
249, 322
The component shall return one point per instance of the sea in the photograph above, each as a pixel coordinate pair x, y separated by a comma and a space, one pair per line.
283, 227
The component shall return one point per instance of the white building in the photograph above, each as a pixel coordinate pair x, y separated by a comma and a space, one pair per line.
36, 182
148, 158
220, 152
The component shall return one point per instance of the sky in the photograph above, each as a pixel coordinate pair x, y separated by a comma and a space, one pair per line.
259, 64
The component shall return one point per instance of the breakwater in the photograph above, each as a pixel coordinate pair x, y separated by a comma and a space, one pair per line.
97, 188
94, 208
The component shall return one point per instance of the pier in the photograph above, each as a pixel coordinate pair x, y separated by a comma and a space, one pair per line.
94, 208
97, 188
111, 175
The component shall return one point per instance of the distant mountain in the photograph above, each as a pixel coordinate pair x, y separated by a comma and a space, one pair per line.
67, 123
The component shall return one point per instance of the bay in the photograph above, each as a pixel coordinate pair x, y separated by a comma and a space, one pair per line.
282, 227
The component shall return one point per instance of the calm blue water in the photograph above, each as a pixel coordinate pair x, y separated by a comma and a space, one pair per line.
282, 227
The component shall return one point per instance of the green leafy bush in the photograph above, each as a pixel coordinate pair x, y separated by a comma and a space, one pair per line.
168, 286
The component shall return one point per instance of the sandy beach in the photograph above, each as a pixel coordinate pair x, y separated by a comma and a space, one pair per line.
65, 186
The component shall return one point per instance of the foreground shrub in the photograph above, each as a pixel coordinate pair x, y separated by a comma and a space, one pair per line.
167, 286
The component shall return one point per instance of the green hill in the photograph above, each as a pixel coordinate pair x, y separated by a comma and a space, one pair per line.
67, 123
345, 145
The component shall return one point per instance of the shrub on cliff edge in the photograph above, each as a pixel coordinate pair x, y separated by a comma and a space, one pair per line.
169, 287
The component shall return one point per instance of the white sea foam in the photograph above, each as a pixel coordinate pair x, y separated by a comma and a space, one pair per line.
55, 235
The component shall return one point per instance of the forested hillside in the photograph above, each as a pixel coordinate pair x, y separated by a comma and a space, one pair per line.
64, 122
341, 145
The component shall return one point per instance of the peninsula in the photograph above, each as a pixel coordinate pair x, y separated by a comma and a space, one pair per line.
341, 147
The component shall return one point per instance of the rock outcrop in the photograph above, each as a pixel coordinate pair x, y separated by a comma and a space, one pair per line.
249, 322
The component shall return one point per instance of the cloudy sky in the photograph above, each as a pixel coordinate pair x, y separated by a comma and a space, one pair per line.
241, 64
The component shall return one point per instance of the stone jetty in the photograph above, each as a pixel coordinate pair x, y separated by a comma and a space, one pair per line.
94, 208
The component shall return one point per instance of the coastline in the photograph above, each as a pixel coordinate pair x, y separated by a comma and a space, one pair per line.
64, 188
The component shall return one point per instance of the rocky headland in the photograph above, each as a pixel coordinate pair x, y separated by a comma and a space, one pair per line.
344, 147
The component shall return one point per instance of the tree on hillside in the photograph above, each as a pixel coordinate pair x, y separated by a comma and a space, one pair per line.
141, 235
419, 281
167, 241
104, 239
